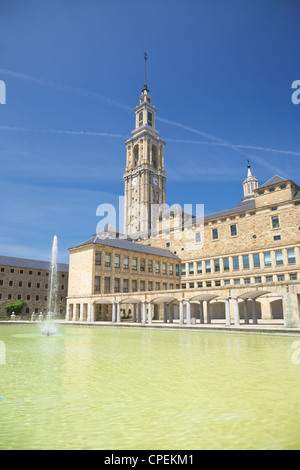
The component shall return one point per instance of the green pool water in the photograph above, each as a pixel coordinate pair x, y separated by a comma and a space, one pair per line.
110, 388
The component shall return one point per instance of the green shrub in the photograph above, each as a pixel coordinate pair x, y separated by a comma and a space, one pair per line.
15, 307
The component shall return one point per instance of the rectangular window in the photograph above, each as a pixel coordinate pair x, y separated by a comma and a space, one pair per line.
217, 265
107, 260
143, 286
208, 283
267, 258
279, 257
280, 277
200, 284
227, 282
269, 278
217, 283
150, 266
191, 268
150, 119
277, 237
226, 264
171, 269
117, 284
134, 286
141, 118
107, 285
235, 261
258, 280
97, 283
275, 221
117, 261
199, 267
134, 264
98, 258
207, 267
236, 282
177, 269
291, 256
164, 286
198, 237
246, 264
157, 285
215, 233
126, 262
125, 285
293, 277
256, 260
150, 285
164, 267
233, 230
157, 267
142, 265
247, 280
183, 269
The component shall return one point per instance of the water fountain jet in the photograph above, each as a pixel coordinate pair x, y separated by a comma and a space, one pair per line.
48, 328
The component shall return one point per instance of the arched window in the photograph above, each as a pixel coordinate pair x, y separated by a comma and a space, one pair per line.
154, 156
135, 155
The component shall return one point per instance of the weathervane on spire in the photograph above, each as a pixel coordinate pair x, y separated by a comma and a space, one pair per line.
146, 58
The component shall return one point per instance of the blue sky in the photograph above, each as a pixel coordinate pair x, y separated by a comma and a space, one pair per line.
219, 72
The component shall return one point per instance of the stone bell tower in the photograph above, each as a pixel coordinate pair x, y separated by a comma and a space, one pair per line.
145, 176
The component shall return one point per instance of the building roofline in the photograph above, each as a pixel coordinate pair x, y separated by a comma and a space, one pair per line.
31, 263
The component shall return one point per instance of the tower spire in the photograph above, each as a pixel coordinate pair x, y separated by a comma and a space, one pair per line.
145, 86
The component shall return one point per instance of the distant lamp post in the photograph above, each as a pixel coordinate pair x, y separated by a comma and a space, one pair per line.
288, 312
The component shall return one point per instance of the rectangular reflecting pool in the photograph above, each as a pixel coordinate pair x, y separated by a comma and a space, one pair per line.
110, 388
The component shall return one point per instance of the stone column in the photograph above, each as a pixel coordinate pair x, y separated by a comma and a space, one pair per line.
165, 312
246, 316
181, 316
134, 313
208, 311
149, 312
70, 312
144, 314
81, 313
171, 312
188, 312
118, 312
227, 312
113, 315
201, 312
254, 317
92, 312
236, 311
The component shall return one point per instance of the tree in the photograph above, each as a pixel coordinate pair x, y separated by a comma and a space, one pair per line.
15, 307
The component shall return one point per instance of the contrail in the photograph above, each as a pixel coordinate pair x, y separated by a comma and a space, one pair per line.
236, 146
82, 92
57, 131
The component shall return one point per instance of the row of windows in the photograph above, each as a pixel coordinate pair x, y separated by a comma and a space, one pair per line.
21, 271
29, 284
136, 264
27, 297
114, 285
237, 282
275, 223
238, 262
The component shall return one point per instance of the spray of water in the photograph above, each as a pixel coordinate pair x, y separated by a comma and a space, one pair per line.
48, 327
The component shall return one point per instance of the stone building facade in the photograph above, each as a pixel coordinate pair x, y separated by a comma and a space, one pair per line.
29, 280
238, 265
